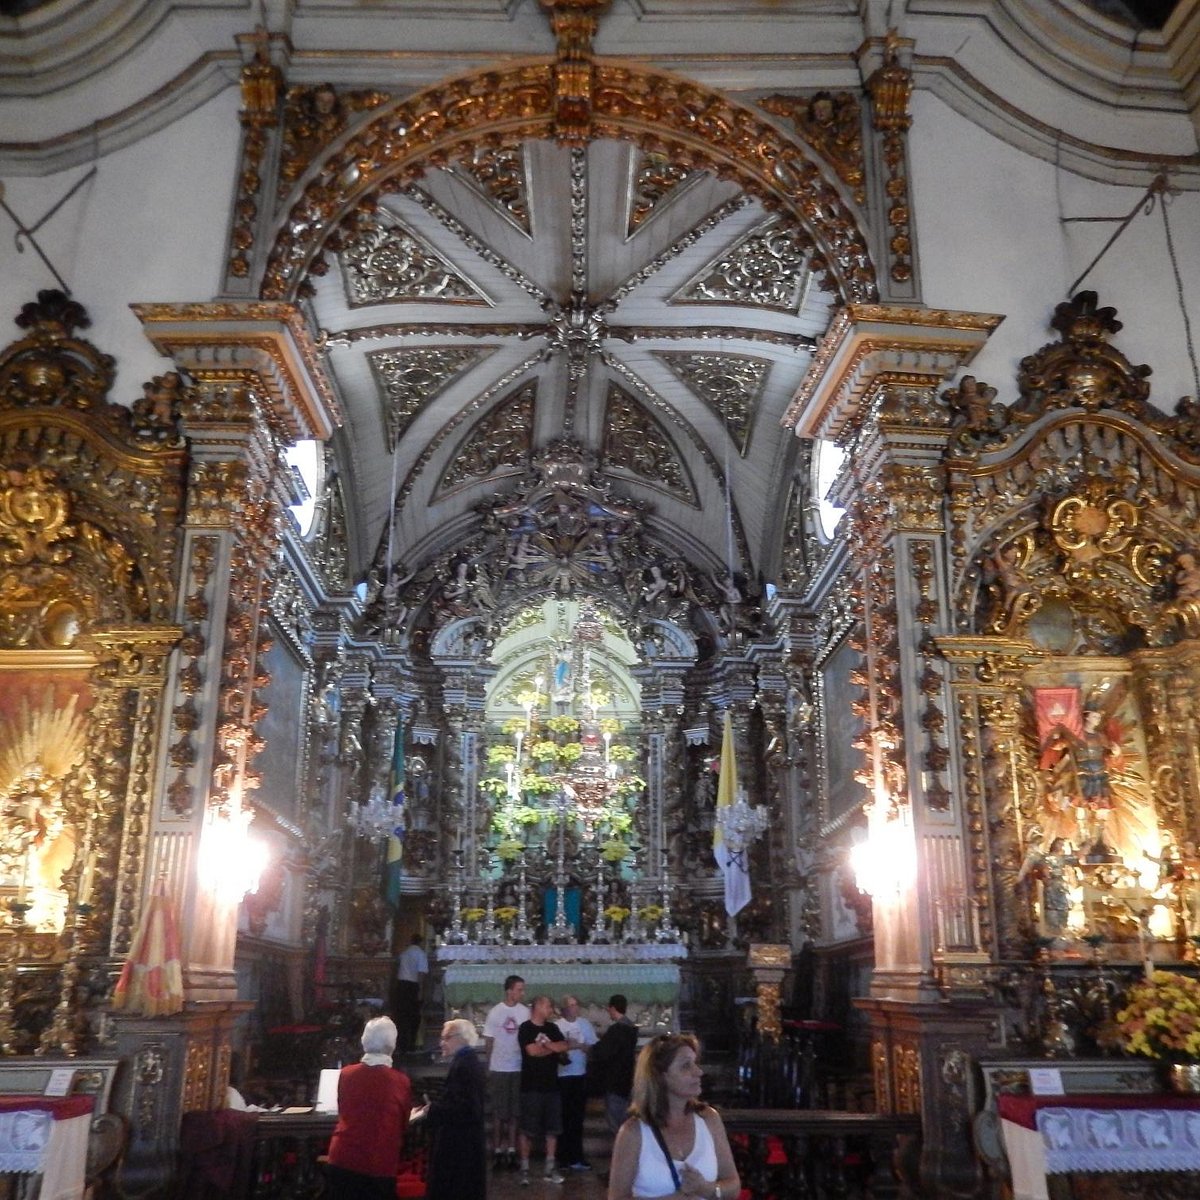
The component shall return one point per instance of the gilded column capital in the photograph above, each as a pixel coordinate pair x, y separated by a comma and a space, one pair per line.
133, 657
871, 350
263, 345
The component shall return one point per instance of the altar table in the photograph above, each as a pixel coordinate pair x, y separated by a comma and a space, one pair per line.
40, 1135
1101, 1132
648, 975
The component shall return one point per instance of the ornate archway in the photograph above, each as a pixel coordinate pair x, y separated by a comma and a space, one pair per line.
658, 111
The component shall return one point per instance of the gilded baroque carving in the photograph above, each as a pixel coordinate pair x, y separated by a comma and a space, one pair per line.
196, 1076
384, 263
830, 122
936, 756
730, 384
444, 122
767, 268
499, 172
890, 88
656, 178
313, 118
574, 23
499, 442
634, 441
49, 367
1082, 370
916, 497
410, 379
906, 1075
260, 83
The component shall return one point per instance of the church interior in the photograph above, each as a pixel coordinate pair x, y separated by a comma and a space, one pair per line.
697, 499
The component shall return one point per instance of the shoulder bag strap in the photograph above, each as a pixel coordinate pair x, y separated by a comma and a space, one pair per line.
662, 1145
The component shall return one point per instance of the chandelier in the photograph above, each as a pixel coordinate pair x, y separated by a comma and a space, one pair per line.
377, 818
740, 824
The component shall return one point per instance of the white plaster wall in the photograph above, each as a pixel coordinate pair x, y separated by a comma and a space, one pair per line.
150, 227
990, 239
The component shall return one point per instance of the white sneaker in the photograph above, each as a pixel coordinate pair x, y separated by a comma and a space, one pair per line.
552, 1175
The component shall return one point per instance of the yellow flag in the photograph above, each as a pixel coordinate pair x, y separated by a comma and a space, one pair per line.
734, 866
726, 788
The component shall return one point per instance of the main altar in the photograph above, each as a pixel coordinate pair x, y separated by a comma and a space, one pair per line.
646, 973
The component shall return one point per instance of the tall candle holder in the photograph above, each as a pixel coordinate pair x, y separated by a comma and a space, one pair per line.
457, 934
489, 931
561, 930
522, 934
599, 934
666, 931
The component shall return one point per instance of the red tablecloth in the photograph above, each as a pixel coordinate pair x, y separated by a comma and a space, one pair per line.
63, 1107
48, 1136
1022, 1110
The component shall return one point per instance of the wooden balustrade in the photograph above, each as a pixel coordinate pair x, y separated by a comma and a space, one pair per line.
816, 1154
783, 1154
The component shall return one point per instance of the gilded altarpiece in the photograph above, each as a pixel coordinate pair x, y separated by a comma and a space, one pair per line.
89, 502
1077, 672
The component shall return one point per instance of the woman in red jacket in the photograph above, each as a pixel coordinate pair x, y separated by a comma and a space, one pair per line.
374, 1100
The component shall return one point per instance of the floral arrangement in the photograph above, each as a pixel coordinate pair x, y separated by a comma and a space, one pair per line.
651, 912
614, 912
472, 914
543, 751
561, 724
509, 848
570, 752
1161, 1018
505, 913
614, 850
622, 753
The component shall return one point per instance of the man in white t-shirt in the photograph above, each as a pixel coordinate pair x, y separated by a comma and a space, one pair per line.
572, 1082
411, 969
504, 1068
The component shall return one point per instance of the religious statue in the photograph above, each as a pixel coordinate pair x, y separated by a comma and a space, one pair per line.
1056, 869
1186, 603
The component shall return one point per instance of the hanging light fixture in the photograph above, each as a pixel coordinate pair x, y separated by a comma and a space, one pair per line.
885, 862
741, 824
374, 820
230, 861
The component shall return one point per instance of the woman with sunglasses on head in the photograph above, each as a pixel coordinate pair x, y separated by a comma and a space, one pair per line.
673, 1145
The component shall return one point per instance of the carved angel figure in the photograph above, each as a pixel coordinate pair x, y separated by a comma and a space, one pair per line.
1014, 599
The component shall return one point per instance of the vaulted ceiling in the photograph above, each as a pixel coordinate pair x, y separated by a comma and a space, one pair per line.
660, 317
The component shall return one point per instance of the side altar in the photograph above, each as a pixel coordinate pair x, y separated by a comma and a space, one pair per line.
647, 973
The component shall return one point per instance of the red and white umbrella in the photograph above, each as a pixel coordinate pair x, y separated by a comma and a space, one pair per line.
151, 980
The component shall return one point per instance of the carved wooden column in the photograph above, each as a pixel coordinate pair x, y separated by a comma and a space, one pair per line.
873, 387
769, 963
254, 385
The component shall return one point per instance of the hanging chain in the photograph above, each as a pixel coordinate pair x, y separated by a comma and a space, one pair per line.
1146, 204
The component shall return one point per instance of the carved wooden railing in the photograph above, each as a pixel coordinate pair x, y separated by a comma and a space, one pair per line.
782, 1154
815, 1154
286, 1149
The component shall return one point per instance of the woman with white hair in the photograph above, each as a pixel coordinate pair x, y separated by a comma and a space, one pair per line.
458, 1149
374, 1100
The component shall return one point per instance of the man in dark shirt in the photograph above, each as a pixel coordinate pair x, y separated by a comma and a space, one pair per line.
612, 1061
541, 1043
